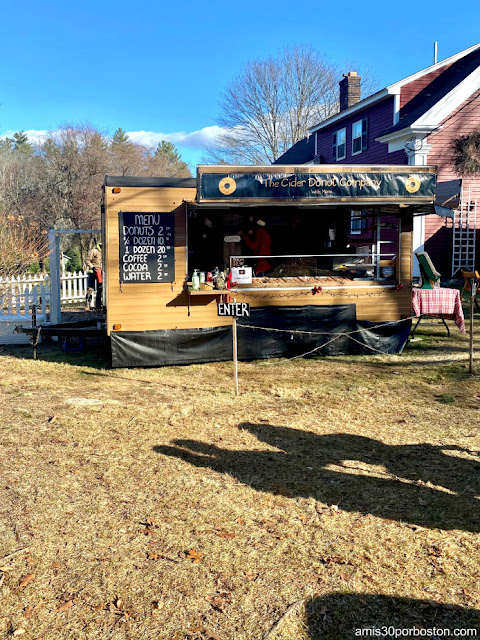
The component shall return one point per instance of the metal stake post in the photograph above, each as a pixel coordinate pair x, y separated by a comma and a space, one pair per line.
473, 291
235, 358
34, 326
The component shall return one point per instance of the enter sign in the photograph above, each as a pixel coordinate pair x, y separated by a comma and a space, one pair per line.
234, 309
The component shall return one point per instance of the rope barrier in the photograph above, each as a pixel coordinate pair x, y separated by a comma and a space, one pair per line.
320, 333
325, 333
336, 335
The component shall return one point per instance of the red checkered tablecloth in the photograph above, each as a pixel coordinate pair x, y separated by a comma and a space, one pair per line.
439, 302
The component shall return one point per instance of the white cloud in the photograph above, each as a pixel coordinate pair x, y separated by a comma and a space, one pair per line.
34, 135
194, 140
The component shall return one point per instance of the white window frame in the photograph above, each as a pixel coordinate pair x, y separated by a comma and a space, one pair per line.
338, 157
357, 123
356, 216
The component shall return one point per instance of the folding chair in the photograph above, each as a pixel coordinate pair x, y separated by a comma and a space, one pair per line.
468, 276
429, 276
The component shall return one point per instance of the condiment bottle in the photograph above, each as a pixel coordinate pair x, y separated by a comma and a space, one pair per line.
196, 280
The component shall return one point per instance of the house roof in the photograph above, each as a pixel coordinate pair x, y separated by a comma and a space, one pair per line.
302, 151
438, 89
395, 88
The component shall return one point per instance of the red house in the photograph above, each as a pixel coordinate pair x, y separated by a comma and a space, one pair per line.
413, 121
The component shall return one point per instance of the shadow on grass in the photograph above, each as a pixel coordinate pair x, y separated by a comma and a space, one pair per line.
402, 482
114, 376
340, 616
95, 354
418, 347
451, 369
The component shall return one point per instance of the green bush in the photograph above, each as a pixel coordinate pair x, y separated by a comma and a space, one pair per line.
74, 260
34, 267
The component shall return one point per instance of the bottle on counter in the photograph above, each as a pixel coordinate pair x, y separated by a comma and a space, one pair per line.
196, 280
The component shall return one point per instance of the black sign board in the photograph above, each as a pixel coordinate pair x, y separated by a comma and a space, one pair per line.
234, 309
147, 251
319, 186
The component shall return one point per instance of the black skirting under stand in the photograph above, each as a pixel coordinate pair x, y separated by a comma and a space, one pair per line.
270, 332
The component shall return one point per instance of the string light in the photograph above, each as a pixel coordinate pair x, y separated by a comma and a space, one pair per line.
324, 333
336, 335
323, 292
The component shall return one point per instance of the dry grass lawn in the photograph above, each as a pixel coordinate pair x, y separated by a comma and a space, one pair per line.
333, 494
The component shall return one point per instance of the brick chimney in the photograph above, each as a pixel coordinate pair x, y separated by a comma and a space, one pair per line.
349, 90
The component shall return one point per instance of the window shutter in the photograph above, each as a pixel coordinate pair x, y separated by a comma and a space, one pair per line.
334, 145
364, 134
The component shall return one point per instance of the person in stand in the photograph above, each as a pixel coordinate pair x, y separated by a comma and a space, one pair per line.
207, 245
94, 271
259, 243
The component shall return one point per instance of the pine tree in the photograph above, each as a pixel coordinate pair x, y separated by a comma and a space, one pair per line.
169, 151
120, 138
20, 142
127, 157
168, 161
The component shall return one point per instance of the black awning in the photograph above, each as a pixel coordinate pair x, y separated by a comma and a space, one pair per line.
142, 181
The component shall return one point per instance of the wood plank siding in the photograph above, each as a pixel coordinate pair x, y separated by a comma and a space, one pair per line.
141, 306
375, 305
147, 306
380, 117
463, 121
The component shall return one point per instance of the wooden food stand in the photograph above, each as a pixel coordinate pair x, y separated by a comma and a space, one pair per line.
341, 246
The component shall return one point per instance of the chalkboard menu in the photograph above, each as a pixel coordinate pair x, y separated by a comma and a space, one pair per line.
147, 252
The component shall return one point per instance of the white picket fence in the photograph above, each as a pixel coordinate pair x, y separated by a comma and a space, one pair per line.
18, 298
73, 287
18, 295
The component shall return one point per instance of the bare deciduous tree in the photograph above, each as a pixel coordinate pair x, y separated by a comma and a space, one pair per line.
57, 182
272, 103
21, 243
73, 163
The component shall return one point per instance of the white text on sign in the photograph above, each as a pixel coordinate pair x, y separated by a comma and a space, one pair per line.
234, 309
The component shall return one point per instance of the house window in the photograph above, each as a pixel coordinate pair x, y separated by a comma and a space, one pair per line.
359, 136
358, 222
339, 143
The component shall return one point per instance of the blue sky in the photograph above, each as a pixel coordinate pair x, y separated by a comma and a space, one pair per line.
160, 67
